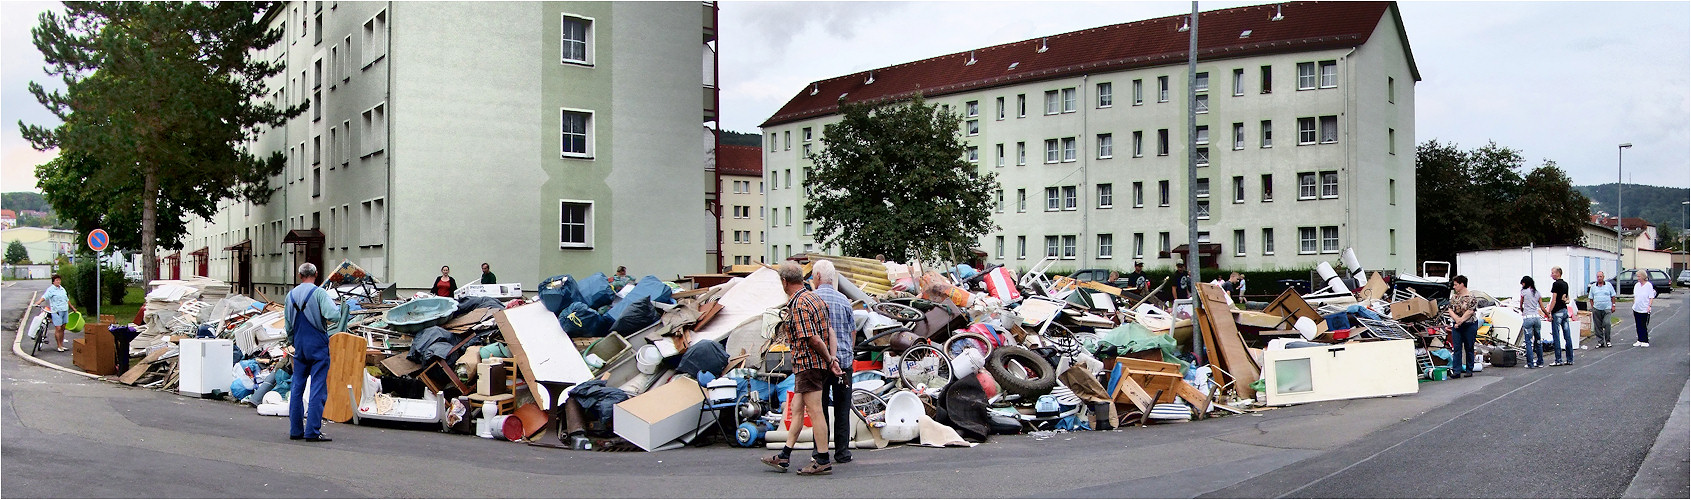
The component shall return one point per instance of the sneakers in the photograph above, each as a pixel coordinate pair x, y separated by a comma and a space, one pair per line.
1638, 344
1643, 344
320, 438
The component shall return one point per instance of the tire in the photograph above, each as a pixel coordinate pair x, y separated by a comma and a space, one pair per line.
1016, 380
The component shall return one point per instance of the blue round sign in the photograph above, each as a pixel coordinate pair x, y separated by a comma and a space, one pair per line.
98, 240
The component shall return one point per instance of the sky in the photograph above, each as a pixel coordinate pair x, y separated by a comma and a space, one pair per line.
1562, 81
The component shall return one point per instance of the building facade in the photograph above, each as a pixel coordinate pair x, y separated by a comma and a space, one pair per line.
1305, 139
43, 244
542, 138
742, 217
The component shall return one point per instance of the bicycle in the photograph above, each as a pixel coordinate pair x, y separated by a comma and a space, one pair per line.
39, 329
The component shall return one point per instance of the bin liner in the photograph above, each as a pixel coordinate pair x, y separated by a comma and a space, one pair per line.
580, 321
598, 401
637, 317
703, 356
596, 290
558, 292
649, 287
472, 303
431, 344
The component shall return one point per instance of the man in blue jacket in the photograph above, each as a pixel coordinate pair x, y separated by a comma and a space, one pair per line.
306, 317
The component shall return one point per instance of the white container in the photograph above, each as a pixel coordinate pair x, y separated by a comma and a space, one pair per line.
723, 390
206, 365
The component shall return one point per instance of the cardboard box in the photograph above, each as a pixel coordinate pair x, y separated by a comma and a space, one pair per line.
663, 414
1415, 309
95, 352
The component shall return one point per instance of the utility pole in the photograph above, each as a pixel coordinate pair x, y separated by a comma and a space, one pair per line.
1620, 238
1192, 262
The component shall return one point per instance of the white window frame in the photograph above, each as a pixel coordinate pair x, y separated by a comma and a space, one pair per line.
1021, 247
973, 154
1021, 200
1162, 193
998, 244
972, 127
1201, 135
999, 162
1138, 92
1071, 100
1307, 181
1070, 246
1138, 194
1106, 95
1070, 150
1201, 187
1106, 245
1021, 105
1106, 195
1238, 243
1052, 153
346, 143
1238, 189
1000, 109
1329, 190
1307, 80
1267, 134
374, 130
1071, 198
1328, 73
1138, 245
1309, 240
1201, 104
1053, 200
1268, 241
1021, 153
808, 134
1162, 142
1052, 246
1238, 82
1238, 136
588, 45
591, 135
375, 30
1106, 146
1052, 104
587, 225
972, 109
1162, 89
1311, 132
1330, 244
1321, 127
1201, 82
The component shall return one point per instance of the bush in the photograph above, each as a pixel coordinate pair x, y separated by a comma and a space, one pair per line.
79, 283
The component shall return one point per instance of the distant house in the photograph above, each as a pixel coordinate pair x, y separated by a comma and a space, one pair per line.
741, 168
1638, 241
8, 219
44, 245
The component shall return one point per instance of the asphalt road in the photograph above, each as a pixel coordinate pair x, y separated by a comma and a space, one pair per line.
1579, 431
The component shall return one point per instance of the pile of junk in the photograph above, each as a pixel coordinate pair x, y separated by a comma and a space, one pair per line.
944, 355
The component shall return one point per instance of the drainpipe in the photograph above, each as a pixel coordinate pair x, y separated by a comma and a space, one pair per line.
1352, 163
387, 151
1084, 211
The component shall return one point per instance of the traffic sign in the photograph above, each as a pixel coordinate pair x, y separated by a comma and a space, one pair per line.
98, 240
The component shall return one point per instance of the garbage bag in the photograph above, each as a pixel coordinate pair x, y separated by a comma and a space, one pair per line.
431, 344
703, 356
596, 291
558, 292
637, 317
598, 402
471, 303
649, 287
580, 321
966, 409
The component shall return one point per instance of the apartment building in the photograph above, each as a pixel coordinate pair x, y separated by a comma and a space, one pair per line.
742, 226
1305, 139
540, 137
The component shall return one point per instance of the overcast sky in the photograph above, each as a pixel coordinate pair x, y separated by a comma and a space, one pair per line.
1566, 81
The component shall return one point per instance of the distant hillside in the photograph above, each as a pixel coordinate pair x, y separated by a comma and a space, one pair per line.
1660, 205
732, 138
24, 200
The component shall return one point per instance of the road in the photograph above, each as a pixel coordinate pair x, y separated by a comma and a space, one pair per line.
1611, 425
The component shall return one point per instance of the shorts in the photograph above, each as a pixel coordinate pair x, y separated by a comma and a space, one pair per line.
813, 380
59, 317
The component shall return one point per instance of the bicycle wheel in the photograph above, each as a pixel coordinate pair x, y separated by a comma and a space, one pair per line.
867, 403
924, 365
39, 328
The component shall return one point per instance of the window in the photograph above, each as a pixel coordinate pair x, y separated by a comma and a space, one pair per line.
1021, 153
1106, 146
1069, 99
1021, 105
1138, 92
999, 157
375, 231
1202, 82
577, 40
1162, 89
1138, 143
375, 38
1306, 131
1106, 195
1021, 200
1239, 82
1268, 241
375, 131
1162, 142
316, 150
1391, 240
1306, 76
1306, 185
577, 129
346, 143
1306, 240
1238, 189
1068, 246
1052, 105
1106, 95
1051, 152
1330, 184
974, 153
1203, 209
1329, 129
1238, 243
1163, 242
1000, 196
1068, 149
316, 181
1391, 141
1391, 89
998, 244
1267, 133
972, 127
317, 28
808, 229
346, 73
1021, 247
1138, 245
1238, 136
575, 224
789, 212
1202, 186
1329, 239
807, 134
1329, 74
317, 74
1106, 246
1138, 195
1391, 191
1201, 104
1162, 193
771, 141
787, 140
789, 178
971, 109
1267, 187
1203, 156
1202, 135
1001, 108
334, 146
334, 64
1052, 201
1069, 198
1267, 79
1051, 247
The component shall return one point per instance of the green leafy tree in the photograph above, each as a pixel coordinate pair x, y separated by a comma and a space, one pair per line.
1478, 199
160, 100
891, 179
16, 253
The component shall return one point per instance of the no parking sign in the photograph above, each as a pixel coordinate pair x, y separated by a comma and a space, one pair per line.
98, 240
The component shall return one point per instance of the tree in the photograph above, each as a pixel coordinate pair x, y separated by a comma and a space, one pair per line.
891, 179
24, 200
159, 100
1478, 199
16, 253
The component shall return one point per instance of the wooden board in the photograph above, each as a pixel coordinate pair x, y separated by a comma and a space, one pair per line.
1225, 335
1128, 391
1093, 285
346, 367
1200, 401
544, 352
1148, 365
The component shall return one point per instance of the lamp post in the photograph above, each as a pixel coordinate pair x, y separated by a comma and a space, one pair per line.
1620, 254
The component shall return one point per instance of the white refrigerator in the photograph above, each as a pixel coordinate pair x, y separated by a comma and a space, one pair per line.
206, 366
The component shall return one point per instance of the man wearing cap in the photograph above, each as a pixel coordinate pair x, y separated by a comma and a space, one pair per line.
1137, 279
806, 331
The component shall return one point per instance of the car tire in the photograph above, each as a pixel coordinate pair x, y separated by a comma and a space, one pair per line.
1017, 381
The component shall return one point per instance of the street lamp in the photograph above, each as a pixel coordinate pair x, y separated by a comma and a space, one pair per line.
1620, 255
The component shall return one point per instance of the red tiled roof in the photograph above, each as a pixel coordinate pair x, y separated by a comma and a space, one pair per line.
1626, 222
1306, 26
8, 214
739, 160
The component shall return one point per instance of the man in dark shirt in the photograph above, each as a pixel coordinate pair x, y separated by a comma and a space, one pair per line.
1559, 333
1182, 282
487, 277
1137, 279
806, 331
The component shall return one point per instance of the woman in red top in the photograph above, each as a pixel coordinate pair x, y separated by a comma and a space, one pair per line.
444, 285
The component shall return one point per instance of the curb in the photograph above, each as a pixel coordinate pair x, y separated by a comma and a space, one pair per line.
17, 345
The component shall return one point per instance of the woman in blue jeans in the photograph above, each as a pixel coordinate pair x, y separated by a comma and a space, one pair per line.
1532, 311
1461, 314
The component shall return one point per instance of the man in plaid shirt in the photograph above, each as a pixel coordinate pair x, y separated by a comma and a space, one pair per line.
807, 332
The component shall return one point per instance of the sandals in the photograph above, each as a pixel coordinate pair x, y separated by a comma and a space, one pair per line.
816, 469
775, 461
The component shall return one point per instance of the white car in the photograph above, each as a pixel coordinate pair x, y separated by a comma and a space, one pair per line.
1684, 278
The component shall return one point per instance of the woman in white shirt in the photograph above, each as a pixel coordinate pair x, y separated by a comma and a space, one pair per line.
1643, 294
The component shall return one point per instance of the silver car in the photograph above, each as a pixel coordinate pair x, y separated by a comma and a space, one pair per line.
1684, 278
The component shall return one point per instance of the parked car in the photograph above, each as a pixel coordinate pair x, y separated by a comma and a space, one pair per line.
1656, 277
1684, 278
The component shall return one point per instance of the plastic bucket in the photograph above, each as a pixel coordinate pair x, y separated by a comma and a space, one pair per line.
647, 358
73, 322
1438, 373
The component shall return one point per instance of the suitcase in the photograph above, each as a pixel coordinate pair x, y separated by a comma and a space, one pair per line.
1501, 357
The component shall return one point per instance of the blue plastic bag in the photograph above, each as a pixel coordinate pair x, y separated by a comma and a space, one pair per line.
581, 321
649, 287
559, 292
596, 291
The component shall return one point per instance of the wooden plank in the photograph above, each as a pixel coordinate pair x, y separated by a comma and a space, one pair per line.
1147, 365
1200, 401
1234, 356
1093, 285
139, 369
346, 367
1128, 391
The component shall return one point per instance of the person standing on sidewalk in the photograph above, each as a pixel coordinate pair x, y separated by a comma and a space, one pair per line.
1643, 297
1532, 310
1562, 338
1602, 305
806, 331
306, 319
445, 284
838, 395
1461, 313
